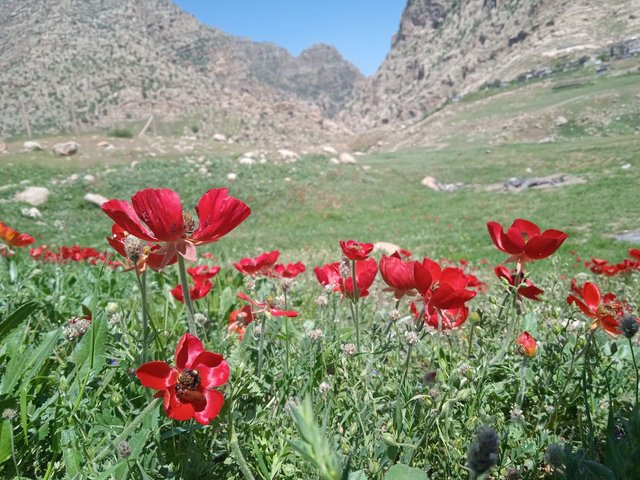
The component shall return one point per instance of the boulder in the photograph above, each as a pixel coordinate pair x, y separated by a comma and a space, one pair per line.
31, 146
89, 179
3, 147
335, 161
329, 149
246, 161
231, 176
347, 158
288, 155
561, 120
95, 198
218, 137
105, 146
33, 196
66, 149
431, 183
32, 212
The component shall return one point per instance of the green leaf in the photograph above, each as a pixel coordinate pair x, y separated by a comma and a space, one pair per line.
359, 475
16, 318
70, 453
404, 472
5, 441
91, 349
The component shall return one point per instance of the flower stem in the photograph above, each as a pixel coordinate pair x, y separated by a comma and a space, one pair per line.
355, 304
185, 293
406, 365
261, 345
633, 357
587, 407
286, 333
236, 452
523, 382
142, 282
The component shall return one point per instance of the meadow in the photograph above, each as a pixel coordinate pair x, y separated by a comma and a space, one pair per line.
351, 388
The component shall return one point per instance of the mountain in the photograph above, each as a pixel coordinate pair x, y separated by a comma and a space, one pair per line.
448, 48
81, 64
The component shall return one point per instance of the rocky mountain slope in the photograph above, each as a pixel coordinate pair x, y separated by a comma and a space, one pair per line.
80, 64
448, 48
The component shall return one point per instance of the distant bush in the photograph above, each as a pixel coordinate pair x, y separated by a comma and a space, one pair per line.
121, 133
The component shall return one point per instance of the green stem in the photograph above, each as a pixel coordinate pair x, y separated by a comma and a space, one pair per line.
236, 452
473, 331
261, 345
633, 357
355, 304
185, 293
587, 407
406, 365
129, 428
523, 382
142, 282
286, 333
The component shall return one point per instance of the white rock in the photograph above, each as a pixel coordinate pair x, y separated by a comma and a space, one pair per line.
66, 149
262, 161
329, 149
95, 198
218, 137
33, 196
246, 161
105, 145
31, 146
231, 177
385, 247
287, 179
89, 179
134, 163
366, 167
431, 183
561, 120
288, 155
626, 166
3, 147
32, 212
202, 171
335, 161
347, 158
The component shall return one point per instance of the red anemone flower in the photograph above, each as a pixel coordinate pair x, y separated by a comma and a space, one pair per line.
260, 265
13, 238
366, 271
525, 289
290, 270
202, 275
605, 311
450, 318
526, 345
524, 241
635, 253
398, 274
268, 307
156, 215
442, 289
239, 320
355, 250
142, 254
188, 389
329, 276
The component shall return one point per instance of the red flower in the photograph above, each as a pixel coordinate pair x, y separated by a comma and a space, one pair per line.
13, 238
261, 265
329, 275
398, 274
155, 215
526, 289
202, 285
524, 242
635, 253
605, 312
366, 271
203, 272
188, 389
239, 320
442, 289
451, 318
268, 307
526, 345
354, 250
142, 254
290, 270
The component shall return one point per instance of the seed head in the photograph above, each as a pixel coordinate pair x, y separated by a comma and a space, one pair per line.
554, 455
316, 334
411, 338
76, 327
123, 449
286, 284
250, 284
199, 318
483, 451
9, 414
112, 307
349, 349
394, 315
324, 388
629, 326
344, 268
322, 301
133, 248
115, 319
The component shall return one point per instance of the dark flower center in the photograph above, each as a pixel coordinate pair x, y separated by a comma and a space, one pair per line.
189, 223
188, 380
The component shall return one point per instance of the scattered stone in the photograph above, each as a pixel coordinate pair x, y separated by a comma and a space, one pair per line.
287, 179
105, 145
246, 161
551, 139
288, 156
202, 171
218, 137
32, 212
3, 147
366, 167
347, 158
231, 177
335, 161
133, 164
561, 120
434, 184
626, 166
95, 198
89, 179
33, 196
631, 237
329, 149
386, 247
66, 149
31, 146
517, 184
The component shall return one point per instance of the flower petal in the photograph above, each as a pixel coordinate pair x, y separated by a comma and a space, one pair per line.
178, 410
544, 245
161, 210
188, 349
212, 368
218, 214
157, 375
124, 215
211, 409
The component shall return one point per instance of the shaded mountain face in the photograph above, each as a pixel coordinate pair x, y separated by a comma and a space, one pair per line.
80, 64
448, 48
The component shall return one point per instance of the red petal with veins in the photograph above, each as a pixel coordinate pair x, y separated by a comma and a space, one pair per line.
188, 349
161, 210
218, 214
157, 375
124, 215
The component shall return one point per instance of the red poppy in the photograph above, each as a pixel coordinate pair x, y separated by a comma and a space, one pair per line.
13, 238
203, 272
142, 254
398, 274
329, 275
526, 345
290, 270
635, 253
268, 307
260, 265
355, 250
188, 389
239, 320
156, 215
450, 318
524, 241
442, 289
605, 311
366, 271
200, 289
525, 289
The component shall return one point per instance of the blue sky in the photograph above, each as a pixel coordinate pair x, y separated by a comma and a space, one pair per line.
360, 29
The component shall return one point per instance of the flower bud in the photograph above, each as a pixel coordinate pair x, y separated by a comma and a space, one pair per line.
483, 451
